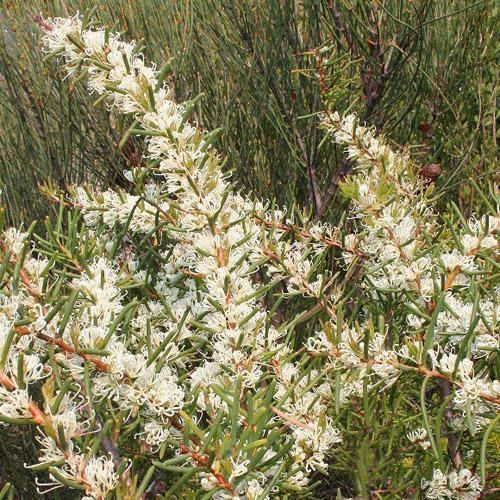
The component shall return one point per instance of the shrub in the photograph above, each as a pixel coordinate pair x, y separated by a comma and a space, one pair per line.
180, 338
423, 74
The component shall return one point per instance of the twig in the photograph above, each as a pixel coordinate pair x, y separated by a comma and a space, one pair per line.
37, 414
307, 234
453, 447
315, 192
100, 365
290, 419
203, 461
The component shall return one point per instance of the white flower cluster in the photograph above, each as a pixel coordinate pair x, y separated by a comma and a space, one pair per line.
461, 485
202, 292
158, 332
21, 366
419, 437
407, 257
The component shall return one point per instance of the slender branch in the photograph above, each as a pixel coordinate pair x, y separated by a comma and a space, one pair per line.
289, 418
315, 192
37, 415
453, 442
101, 365
373, 79
203, 461
343, 169
307, 234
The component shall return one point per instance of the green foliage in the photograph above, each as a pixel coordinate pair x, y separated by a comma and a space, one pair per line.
48, 128
265, 69
422, 73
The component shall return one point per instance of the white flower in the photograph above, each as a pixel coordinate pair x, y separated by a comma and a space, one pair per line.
437, 487
254, 491
68, 420
90, 335
100, 476
299, 478
465, 485
427, 288
471, 391
162, 394
415, 321
239, 468
312, 442
405, 230
469, 242
14, 404
465, 368
419, 436
14, 239
33, 368
50, 451
208, 481
94, 40
57, 37
385, 365
489, 242
447, 363
454, 259
155, 434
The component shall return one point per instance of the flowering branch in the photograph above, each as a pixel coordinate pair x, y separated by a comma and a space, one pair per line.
162, 303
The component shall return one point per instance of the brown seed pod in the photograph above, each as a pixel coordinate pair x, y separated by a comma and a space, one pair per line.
431, 171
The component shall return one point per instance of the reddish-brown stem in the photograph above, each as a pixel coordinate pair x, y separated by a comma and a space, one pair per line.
100, 365
451, 277
7, 382
306, 234
290, 419
434, 374
202, 461
36, 414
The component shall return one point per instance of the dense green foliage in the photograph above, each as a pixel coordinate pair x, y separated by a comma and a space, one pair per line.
422, 72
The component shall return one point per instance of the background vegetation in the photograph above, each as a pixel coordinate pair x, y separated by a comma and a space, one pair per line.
423, 73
